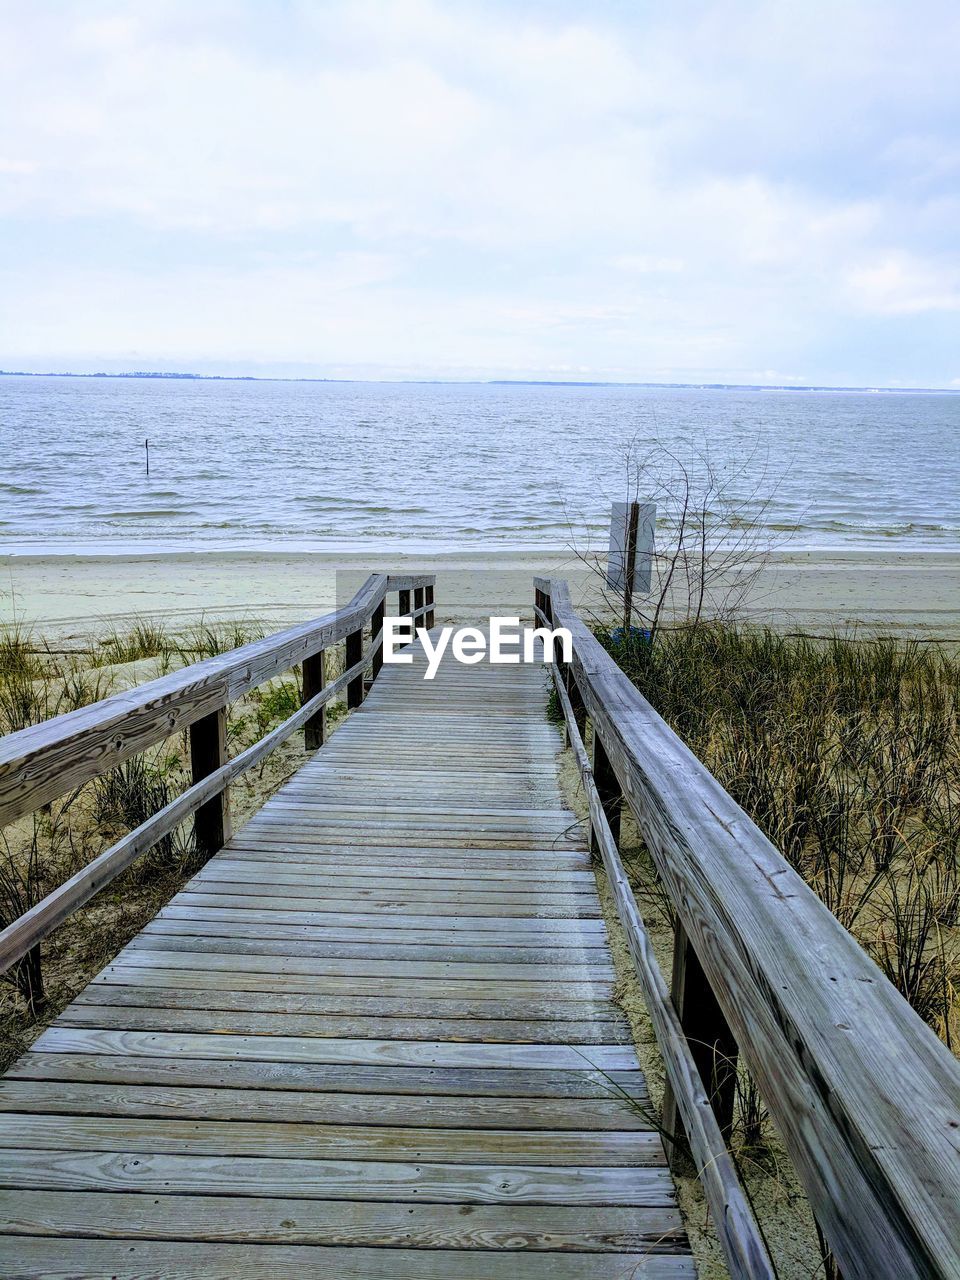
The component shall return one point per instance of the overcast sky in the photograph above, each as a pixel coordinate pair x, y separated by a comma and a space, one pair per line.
684, 191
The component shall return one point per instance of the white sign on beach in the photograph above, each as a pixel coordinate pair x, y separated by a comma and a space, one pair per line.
631, 543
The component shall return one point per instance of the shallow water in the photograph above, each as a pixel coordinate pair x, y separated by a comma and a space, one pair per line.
239, 464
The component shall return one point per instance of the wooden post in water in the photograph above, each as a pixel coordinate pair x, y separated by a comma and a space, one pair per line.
314, 679
146, 445
208, 751
711, 1042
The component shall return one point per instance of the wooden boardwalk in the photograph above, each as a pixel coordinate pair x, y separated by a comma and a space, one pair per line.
374, 1037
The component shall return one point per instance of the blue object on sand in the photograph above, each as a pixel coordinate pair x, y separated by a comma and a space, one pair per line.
621, 634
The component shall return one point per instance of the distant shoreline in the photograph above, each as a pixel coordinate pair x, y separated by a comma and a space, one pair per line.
412, 551
487, 382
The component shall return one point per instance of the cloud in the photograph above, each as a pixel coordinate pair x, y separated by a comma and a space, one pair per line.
899, 285
713, 185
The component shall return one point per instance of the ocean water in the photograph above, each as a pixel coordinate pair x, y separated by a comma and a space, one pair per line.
298, 465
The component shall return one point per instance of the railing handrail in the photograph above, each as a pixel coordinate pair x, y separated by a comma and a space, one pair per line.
735, 1222
196, 696
864, 1094
46, 760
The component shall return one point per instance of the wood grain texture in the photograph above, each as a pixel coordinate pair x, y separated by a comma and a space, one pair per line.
865, 1095
46, 760
41, 919
22, 1258
105, 1215
744, 1247
375, 1035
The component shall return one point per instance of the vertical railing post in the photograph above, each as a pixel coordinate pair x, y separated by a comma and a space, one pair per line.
428, 621
376, 626
313, 680
403, 605
576, 699
208, 751
609, 792
417, 604
711, 1042
354, 652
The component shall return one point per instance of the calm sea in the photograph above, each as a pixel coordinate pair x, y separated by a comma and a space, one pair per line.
349, 465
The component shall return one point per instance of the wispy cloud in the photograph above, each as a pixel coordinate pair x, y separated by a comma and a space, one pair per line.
709, 187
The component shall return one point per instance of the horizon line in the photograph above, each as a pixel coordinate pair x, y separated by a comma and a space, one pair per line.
175, 376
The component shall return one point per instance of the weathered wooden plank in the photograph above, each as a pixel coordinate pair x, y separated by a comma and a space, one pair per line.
158, 954
440, 1182
217, 935
352, 1026
408, 891
409, 922
394, 876
287, 869
300, 1106
287, 984
70, 1132
206, 995
243, 1073
523, 906
644, 1229
24, 1258
289, 846
569, 1057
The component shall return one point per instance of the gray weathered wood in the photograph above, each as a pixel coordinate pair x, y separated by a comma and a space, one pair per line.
107, 1215
23, 1258
46, 760
25, 932
744, 1248
711, 1042
208, 753
313, 680
377, 1026
866, 1097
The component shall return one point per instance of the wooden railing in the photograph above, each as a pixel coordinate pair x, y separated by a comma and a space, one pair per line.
45, 761
864, 1095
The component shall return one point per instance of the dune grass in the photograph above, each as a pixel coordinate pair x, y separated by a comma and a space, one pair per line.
846, 753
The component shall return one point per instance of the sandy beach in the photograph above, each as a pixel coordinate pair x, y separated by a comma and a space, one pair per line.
895, 591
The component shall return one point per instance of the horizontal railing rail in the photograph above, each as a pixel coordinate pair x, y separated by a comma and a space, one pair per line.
735, 1221
863, 1093
40, 763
